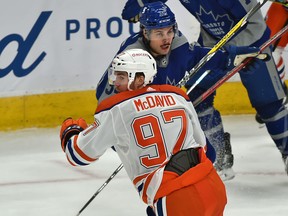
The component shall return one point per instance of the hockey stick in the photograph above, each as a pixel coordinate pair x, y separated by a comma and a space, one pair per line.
101, 188
221, 43
238, 68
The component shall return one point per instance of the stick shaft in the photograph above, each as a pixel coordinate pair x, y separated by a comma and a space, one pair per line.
238, 68
101, 188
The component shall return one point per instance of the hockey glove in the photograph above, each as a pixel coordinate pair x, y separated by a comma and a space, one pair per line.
70, 128
132, 9
252, 66
236, 55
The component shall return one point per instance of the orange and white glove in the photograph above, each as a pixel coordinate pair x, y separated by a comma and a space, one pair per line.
70, 128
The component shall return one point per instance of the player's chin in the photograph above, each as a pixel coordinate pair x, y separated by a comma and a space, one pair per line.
117, 89
121, 89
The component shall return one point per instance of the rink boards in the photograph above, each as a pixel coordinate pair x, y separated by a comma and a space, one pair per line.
49, 110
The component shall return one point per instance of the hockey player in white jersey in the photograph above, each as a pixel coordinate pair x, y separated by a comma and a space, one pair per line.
263, 85
160, 36
157, 135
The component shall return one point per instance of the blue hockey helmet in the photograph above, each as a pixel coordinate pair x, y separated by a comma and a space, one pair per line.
156, 15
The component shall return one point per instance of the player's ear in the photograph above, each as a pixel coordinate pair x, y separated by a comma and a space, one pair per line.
139, 81
145, 33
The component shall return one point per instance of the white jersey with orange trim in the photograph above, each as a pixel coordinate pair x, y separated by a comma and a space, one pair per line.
146, 127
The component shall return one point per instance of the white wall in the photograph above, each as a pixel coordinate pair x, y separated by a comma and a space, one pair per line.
74, 63
69, 64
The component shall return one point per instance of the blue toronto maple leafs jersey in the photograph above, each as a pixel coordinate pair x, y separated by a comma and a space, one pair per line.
171, 68
217, 17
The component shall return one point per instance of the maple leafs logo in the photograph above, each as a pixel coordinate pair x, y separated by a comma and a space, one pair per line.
217, 25
161, 11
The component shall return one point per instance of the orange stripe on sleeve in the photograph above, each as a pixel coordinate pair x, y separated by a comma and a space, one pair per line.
80, 152
147, 182
70, 161
139, 178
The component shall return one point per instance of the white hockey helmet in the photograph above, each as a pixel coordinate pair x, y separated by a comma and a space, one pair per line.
134, 61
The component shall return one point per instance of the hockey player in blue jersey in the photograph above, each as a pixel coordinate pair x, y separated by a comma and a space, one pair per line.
160, 36
216, 18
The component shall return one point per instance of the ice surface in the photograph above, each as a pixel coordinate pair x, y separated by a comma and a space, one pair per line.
36, 179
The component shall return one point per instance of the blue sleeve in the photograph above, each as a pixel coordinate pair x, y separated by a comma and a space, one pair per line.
101, 85
217, 62
103, 89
